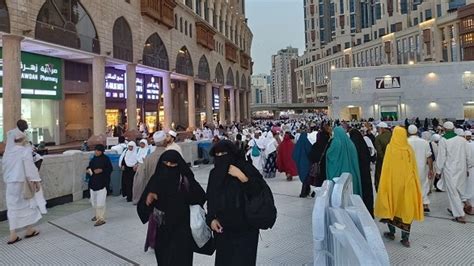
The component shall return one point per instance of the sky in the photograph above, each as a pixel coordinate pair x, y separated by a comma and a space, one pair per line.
275, 24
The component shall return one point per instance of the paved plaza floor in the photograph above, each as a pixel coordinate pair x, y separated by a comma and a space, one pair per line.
68, 237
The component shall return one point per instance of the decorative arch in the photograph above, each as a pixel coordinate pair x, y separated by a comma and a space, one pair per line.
243, 82
4, 17
204, 72
184, 63
219, 74
122, 40
237, 80
230, 77
67, 23
154, 53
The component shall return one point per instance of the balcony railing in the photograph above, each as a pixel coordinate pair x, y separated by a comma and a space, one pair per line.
205, 35
231, 52
160, 10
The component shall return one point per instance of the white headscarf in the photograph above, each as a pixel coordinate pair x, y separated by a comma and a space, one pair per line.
18, 160
143, 152
131, 158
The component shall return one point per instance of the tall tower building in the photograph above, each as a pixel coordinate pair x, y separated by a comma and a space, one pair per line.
282, 76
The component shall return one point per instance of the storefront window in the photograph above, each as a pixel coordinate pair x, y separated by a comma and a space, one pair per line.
41, 116
67, 23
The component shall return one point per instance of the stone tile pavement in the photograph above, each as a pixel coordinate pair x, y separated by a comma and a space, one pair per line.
68, 237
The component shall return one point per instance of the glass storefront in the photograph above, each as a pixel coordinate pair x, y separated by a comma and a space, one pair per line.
42, 118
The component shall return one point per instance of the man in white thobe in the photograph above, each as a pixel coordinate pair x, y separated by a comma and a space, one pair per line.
18, 168
469, 194
257, 161
171, 142
424, 163
454, 160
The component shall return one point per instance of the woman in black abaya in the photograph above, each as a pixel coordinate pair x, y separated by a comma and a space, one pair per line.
171, 190
363, 153
229, 181
318, 153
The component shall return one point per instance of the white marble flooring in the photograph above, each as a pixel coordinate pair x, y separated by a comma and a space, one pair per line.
72, 239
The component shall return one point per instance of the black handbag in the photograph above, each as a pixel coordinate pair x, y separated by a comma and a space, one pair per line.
208, 249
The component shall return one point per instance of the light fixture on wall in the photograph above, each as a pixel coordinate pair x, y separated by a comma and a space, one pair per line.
411, 62
431, 75
433, 104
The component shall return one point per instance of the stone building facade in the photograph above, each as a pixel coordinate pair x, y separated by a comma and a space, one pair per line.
383, 32
173, 62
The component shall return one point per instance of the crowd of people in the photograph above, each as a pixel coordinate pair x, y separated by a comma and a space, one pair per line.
394, 169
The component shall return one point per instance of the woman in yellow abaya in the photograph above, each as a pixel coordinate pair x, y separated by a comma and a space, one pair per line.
399, 199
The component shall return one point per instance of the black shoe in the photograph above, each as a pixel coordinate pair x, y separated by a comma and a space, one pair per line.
303, 195
313, 194
426, 209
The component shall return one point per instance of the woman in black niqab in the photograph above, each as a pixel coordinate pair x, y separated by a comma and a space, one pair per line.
171, 190
229, 182
363, 153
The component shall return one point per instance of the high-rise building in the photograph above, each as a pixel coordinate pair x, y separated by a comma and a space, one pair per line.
359, 33
283, 79
260, 88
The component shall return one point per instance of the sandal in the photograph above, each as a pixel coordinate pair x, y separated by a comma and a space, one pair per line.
389, 236
99, 223
14, 241
457, 220
94, 219
35, 233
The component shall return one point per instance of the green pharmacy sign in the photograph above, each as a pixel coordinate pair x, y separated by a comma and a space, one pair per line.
41, 76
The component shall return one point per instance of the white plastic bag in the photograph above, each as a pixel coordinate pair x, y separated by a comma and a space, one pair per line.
201, 232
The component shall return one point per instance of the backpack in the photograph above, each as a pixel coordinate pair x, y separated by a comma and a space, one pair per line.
255, 150
260, 210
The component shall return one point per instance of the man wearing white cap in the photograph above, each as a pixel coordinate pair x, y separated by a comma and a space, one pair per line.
381, 142
434, 143
454, 160
469, 194
424, 163
170, 142
148, 167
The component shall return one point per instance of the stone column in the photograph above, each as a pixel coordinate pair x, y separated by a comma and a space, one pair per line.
211, 16
132, 96
11, 82
237, 105
209, 102
98, 94
222, 105
167, 101
249, 113
232, 105
203, 10
246, 106
191, 105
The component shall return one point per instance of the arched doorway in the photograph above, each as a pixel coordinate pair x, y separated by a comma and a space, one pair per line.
155, 54
122, 40
67, 23
4, 17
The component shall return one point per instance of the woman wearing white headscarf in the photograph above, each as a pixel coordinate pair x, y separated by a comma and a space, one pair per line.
271, 145
128, 162
143, 151
24, 205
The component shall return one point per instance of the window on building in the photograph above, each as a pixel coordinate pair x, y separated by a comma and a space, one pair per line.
175, 21
438, 11
122, 40
352, 18
190, 30
312, 24
154, 53
185, 27
181, 25
399, 52
352, 6
428, 14
404, 6
341, 6
184, 63
65, 23
415, 21
189, 3
378, 11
